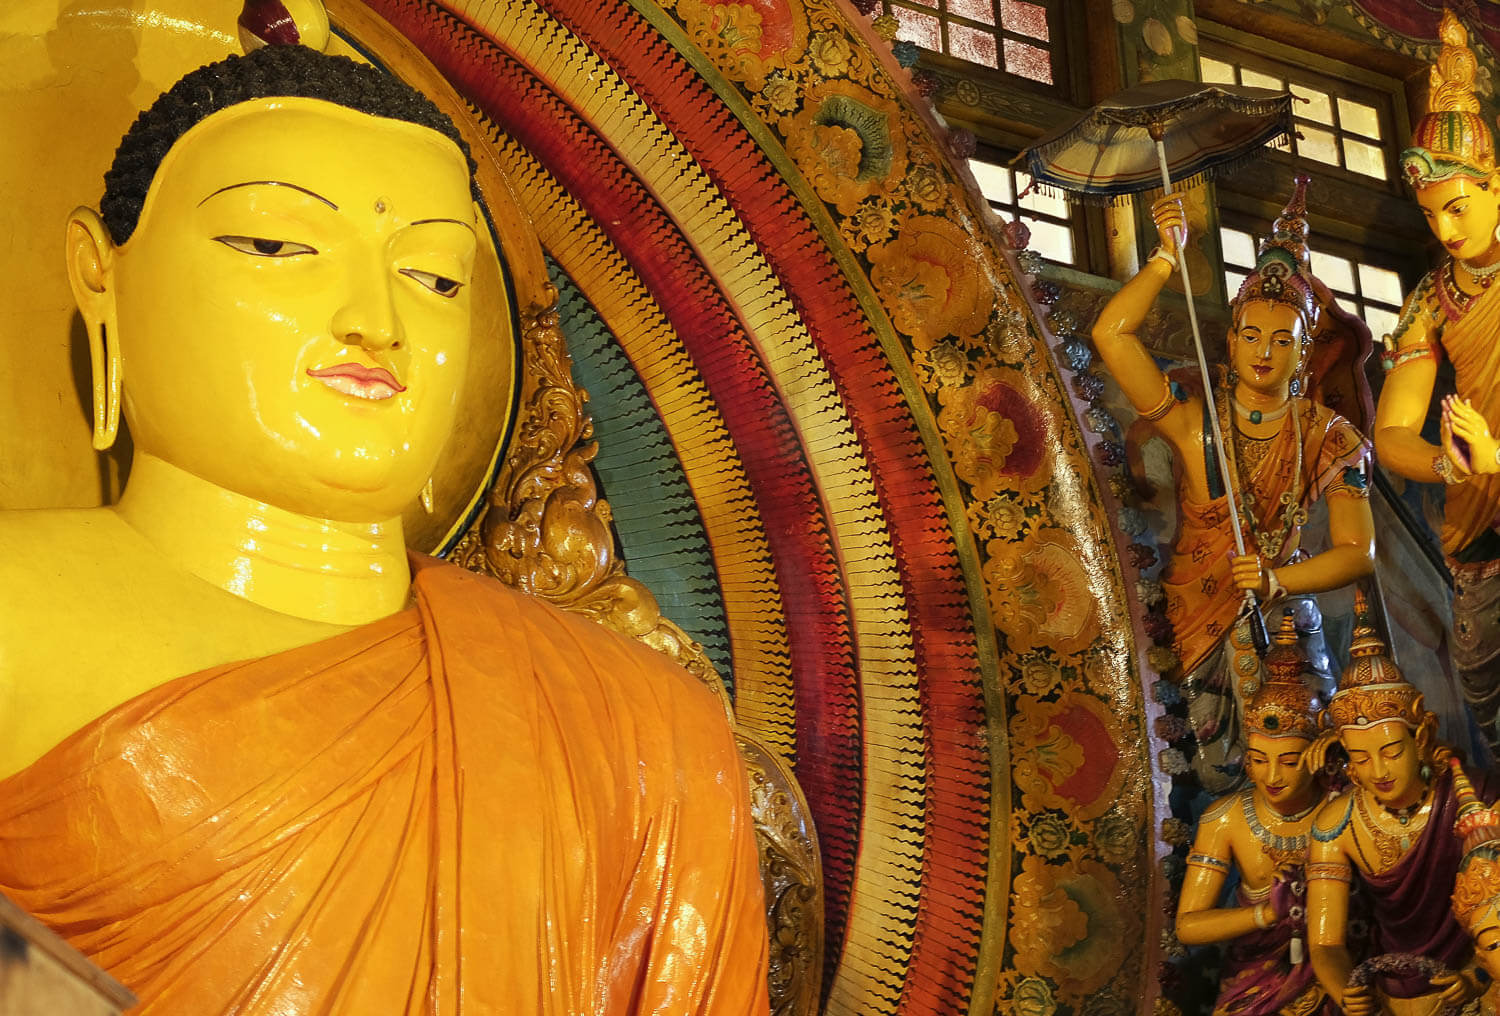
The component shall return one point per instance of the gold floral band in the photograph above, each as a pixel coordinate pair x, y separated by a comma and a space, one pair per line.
1329, 871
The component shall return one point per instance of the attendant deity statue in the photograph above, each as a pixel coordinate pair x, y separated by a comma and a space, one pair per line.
1284, 450
1261, 831
1392, 829
1454, 312
1476, 890
254, 760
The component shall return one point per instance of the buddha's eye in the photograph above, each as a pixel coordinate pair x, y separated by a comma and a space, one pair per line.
439, 284
265, 247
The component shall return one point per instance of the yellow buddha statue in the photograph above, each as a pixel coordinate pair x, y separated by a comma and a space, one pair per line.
1285, 452
1261, 831
254, 758
1454, 312
1391, 830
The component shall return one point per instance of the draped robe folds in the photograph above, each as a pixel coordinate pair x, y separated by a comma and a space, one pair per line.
1409, 906
1202, 599
1258, 977
1470, 343
478, 805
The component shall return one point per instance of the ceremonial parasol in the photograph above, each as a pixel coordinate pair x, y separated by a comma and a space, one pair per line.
1141, 139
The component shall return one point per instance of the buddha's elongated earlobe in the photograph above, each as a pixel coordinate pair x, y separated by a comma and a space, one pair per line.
426, 496
90, 256
104, 361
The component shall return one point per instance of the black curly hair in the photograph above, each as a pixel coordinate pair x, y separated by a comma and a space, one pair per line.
291, 71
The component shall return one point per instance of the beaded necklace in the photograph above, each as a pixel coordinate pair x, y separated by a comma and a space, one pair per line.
1278, 847
1293, 514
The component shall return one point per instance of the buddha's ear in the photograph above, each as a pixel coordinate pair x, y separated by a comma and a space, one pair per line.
90, 254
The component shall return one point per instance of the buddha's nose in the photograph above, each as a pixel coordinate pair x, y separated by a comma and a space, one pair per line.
368, 316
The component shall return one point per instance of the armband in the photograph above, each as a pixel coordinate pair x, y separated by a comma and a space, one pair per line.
1170, 259
1329, 871
1208, 861
1162, 408
1390, 361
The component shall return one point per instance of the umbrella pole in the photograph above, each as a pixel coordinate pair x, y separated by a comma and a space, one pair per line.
1258, 634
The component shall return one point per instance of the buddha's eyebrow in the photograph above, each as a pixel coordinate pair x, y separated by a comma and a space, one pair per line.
456, 222
273, 183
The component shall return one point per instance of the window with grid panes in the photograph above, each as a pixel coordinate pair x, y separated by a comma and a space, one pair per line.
1371, 292
1352, 132
1047, 215
1009, 35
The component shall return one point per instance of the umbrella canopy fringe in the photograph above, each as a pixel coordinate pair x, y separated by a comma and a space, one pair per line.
1209, 173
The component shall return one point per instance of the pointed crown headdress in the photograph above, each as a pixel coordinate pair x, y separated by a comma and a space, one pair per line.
1282, 267
1372, 688
1284, 706
1452, 138
1477, 887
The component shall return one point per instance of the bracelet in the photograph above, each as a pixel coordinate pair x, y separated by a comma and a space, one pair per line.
1162, 408
1444, 469
1260, 918
1169, 258
1274, 588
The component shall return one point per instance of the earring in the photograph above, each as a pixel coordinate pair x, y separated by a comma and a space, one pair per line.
104, 362
1425, 772
1295, 388
426, 496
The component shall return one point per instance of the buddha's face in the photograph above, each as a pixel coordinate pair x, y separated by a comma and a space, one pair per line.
293, 307
1462, 213
1384, 760
1273, 765
1266, 345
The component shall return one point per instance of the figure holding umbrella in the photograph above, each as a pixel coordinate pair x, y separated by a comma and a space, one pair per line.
1281, 451
1253, 452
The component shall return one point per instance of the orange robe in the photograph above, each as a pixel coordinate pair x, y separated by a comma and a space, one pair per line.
1468, 339
1202, 599
479, 805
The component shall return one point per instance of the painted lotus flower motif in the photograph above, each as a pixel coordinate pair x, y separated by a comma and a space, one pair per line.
830, 53
929, 281
1040, 594
1067, 925
843, 142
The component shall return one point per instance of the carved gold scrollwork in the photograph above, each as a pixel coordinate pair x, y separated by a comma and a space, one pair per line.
546, 531
792, 873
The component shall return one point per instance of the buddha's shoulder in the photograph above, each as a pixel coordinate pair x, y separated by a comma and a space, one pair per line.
62, 550
630, 666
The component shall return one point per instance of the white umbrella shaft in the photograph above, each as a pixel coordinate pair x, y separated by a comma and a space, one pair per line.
1208, 387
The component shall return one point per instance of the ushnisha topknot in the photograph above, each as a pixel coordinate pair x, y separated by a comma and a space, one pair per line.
1282, 267
1372, 688
270, 72
1284, 706
1452, 138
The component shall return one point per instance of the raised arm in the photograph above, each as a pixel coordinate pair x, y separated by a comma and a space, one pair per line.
1127, 360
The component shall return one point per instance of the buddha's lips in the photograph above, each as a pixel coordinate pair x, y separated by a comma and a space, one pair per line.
374, 383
